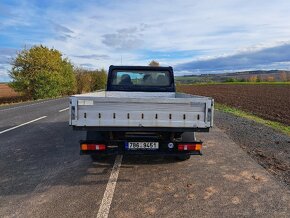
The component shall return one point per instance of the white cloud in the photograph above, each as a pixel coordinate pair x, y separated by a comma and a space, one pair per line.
220, 27
99, 33
267, 58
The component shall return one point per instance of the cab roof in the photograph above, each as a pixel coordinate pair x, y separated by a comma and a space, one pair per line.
152, 68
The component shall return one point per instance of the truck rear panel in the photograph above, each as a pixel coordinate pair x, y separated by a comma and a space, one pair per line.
105, 110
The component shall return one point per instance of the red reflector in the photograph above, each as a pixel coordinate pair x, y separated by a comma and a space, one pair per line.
189, 147
180, 147
93, 147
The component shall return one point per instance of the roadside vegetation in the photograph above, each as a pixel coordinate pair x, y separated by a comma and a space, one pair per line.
237, 112
90, 80
41, 72
260, 77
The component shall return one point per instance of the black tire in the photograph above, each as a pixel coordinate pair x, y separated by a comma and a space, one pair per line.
183, 157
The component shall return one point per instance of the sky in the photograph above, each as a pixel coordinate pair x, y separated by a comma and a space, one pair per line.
193, 36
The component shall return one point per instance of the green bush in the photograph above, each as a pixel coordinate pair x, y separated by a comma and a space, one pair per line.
231, 79
40, 72
47, 85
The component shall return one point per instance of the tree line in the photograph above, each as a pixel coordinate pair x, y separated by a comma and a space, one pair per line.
283, 77
41, 72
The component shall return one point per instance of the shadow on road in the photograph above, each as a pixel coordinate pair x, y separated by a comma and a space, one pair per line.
136, 160
44, 154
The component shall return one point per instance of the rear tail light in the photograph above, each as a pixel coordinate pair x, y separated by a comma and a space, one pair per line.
189, 147
93, 147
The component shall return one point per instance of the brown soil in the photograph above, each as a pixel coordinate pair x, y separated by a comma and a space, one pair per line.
8, 95
268, 101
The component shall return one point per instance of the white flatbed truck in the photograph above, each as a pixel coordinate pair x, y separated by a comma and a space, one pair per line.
140, 113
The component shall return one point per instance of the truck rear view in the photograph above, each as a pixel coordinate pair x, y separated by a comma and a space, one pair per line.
140, 113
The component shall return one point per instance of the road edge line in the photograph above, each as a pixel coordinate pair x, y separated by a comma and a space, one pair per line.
40, 101
109, 192
63, 109
23, 124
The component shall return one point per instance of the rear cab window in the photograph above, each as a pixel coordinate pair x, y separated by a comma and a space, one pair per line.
140, 80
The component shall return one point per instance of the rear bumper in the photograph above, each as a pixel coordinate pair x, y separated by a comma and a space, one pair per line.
118, 147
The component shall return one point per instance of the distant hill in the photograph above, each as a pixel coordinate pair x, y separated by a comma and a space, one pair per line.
260, 75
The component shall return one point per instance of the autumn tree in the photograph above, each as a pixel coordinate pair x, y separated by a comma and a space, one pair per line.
154, 63
99, 79
270, 78
283, 76
40, 72
259, 79
90, 80
83, 78
253, 79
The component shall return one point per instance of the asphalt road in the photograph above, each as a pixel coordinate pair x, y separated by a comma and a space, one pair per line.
42, 175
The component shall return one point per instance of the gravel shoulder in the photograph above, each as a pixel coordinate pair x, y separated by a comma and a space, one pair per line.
271, 149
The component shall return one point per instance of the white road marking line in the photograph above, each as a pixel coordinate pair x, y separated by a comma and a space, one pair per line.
63, 110
23, 124
109, 192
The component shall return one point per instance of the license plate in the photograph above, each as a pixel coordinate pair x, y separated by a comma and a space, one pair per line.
142, 145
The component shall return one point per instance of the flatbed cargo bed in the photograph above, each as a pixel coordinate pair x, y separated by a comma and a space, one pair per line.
115, 110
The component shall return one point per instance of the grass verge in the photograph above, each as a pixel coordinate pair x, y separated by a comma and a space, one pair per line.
275, 125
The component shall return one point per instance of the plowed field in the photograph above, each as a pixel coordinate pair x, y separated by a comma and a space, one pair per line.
7, 95
268, 101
